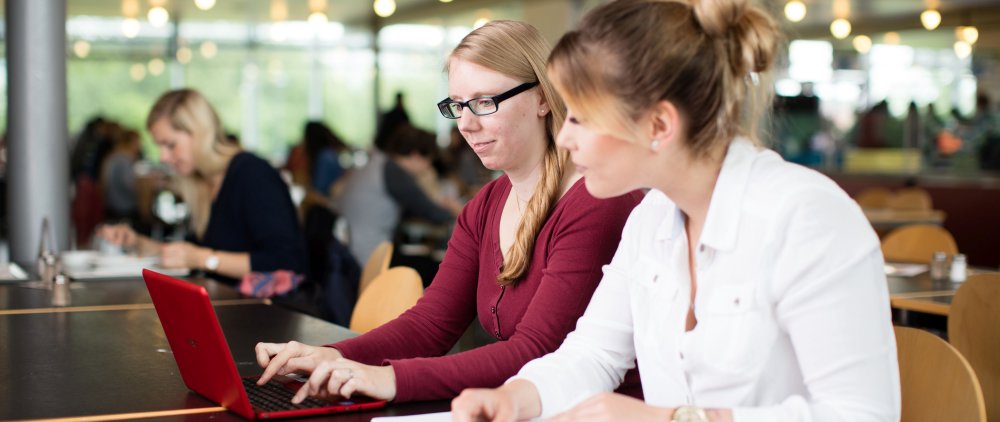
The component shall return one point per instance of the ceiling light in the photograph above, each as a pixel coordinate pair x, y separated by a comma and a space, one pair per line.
892, 38
930, 18
81, 48
204, 4
795, 11
158, 16
279, 10
130, 8
384, 8
445, 1
862, 43
318, 18
208, 49
840, 28
156, 66
480, 22
130, 28
968, 34
137, 72
962, 49
184, 55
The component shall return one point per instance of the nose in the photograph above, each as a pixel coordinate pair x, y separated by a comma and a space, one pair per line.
468, 122
165, 156
564, 139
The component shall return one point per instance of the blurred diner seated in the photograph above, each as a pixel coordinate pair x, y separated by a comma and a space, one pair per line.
245, 229
376, 196
315, 163
118, 178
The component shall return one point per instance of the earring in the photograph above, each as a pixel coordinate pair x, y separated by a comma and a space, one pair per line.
654, 145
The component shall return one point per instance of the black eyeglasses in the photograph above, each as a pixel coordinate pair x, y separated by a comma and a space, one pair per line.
481, 106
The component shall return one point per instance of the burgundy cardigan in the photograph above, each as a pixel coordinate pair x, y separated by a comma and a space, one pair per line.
529, 319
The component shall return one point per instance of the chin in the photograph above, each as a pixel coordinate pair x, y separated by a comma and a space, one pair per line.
602, 190
491, 164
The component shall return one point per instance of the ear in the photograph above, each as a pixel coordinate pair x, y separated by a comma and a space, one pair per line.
543, 106
664, 123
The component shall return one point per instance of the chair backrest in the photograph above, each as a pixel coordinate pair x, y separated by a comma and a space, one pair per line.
389, 295
377, 263
911, 199
937, 383
972, 328
917, 243
873, 198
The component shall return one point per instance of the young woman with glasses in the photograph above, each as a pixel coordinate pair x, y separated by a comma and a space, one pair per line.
525, 256
747, 288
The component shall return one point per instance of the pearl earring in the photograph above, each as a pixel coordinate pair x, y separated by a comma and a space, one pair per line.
654, 145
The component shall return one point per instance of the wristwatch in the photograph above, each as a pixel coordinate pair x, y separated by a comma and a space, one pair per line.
689, 414
212, 262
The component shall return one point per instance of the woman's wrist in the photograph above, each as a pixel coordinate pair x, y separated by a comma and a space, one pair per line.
525, 396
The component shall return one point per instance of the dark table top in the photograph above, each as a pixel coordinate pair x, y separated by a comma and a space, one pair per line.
66, 364
102, 295
919, 284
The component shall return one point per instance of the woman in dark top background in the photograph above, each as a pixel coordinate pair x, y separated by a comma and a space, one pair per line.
242, 214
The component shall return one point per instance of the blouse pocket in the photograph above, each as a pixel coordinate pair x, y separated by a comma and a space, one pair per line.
733, 332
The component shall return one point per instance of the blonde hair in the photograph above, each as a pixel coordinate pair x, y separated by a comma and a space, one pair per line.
188, 111
706, 57
518, 50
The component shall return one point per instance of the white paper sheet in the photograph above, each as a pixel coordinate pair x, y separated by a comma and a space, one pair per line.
427, 417
904, 270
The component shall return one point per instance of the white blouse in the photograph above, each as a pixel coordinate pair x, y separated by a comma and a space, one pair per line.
792, 305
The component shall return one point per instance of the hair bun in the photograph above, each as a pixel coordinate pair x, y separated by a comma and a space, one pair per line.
750, 33
717, 17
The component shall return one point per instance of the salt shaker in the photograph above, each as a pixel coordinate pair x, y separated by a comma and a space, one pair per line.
939, 266
958, 268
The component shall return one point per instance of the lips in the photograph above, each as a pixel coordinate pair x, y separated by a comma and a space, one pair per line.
480, 147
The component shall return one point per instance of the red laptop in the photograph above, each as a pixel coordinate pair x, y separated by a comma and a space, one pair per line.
207, 365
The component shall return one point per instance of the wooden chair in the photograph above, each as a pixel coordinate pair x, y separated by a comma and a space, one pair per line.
377, 263
389, 295
873, 198
917, 243
937, 382
972, 328
911, 199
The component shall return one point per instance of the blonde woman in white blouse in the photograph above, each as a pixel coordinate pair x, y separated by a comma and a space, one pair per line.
746, 287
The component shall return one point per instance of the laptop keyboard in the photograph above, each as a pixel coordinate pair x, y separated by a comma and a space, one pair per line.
274, 396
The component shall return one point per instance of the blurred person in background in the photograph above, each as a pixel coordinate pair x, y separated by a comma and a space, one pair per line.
118, 177
245, 228
375, 197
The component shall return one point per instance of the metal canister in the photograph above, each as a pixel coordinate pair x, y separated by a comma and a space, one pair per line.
939, 266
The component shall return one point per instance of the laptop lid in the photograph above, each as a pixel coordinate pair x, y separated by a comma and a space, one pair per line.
202, 354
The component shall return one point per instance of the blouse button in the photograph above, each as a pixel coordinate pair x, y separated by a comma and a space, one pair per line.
701, 248
493, 309
497, 333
